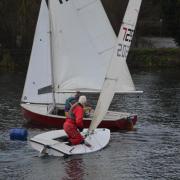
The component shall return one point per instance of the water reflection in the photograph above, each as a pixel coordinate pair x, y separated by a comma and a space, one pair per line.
74, 169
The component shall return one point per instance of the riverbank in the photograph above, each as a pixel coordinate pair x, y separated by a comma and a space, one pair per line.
154, 58
138, 58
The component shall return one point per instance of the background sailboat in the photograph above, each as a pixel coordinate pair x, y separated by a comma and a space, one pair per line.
72, 48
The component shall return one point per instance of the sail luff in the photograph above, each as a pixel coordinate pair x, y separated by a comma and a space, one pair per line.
118, 61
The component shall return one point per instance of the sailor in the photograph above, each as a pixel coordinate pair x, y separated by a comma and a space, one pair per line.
70, 101
74, 122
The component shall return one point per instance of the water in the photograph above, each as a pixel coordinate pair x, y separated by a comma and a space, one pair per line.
149, 152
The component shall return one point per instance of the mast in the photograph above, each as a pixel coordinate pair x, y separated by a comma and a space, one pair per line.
51, 54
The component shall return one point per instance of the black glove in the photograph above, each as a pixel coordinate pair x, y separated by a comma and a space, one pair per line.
80, 129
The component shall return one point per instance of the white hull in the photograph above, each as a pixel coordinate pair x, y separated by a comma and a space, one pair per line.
47, 143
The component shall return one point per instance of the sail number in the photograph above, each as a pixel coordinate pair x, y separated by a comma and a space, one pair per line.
123, 49
128, 34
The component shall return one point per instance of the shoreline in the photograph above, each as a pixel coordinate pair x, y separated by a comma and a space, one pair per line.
154, 58
12, 60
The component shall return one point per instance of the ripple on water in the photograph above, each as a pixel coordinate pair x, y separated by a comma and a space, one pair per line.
150, 152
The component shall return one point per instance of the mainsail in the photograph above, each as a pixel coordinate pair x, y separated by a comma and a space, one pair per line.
118, 72
83, 42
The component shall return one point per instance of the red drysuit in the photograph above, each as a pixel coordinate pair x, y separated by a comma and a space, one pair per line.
72, 125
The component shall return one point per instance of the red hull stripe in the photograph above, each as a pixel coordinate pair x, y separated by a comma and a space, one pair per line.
54, 122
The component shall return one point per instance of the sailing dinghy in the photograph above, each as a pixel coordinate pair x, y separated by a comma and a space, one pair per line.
72, 49
51, 142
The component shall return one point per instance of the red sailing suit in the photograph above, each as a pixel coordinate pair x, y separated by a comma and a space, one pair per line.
72, 125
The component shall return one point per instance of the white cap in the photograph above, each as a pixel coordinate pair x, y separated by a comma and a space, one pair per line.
82, 100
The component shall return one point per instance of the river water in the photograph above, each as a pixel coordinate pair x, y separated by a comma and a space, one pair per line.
151, 151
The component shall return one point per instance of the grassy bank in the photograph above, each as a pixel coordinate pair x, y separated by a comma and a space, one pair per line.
17, 60
154, 58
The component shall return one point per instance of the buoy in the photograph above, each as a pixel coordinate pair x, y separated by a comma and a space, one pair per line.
18, 134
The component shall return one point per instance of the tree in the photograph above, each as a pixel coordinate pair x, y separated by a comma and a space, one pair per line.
18, 19
177, 23
27, 12
7, 19
171, 18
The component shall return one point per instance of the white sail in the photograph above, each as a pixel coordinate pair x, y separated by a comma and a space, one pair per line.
38, 79
118, 70
83, 42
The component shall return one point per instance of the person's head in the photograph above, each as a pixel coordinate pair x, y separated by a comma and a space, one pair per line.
82, 100
77, 95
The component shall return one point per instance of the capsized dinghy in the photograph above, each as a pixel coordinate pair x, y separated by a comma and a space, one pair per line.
52, 143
